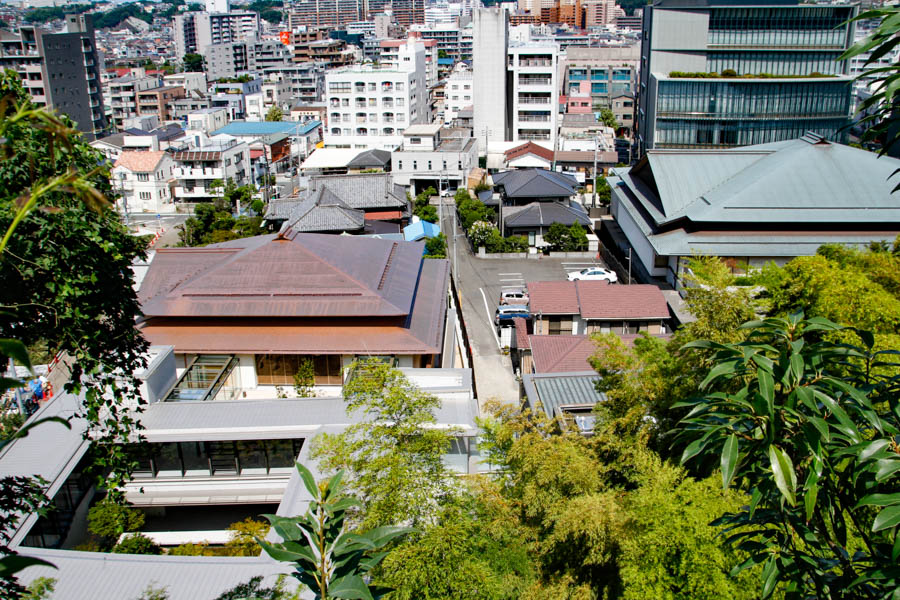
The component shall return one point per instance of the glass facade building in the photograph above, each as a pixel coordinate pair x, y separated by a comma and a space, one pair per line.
769, 73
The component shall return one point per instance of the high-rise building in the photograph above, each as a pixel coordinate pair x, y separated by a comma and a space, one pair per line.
717, 74
489, 49
405, 12
325, 13
60, 70
218, 6
194, 32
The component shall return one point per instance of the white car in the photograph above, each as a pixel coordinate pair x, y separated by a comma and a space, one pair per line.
593, 274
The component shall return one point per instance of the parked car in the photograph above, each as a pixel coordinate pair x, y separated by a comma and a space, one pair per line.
594, 274
508, 312
518, 296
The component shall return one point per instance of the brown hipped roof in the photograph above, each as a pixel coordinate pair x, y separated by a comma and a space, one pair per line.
597, 300
301, 275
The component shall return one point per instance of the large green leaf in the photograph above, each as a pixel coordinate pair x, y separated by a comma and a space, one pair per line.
886, 467
783, 470
350, 587
729, 460
278, 552
879, 500
13, 563
889, 517
334, 485
769, 577
308, 480
17, 351
381, 536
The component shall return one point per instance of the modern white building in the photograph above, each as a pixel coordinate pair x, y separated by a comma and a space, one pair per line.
434, 156
191, 82
194, 32
207, 119
220, 157
395, 52
369, 107
306, 80
458, 92
145, 181
272, 93
535, 92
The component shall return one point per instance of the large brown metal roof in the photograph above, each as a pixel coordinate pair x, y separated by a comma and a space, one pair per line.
300, 275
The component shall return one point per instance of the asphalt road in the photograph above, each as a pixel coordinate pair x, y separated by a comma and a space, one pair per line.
479, 282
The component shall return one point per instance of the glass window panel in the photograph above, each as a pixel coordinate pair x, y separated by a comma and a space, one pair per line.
195, 460
252, 457
281, 455
168, 462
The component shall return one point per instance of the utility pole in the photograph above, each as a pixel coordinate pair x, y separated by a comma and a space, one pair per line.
594, 182
629, 266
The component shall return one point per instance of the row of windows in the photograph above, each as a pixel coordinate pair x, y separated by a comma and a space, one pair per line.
752, 99
345, 87
778, 26
777, 63
205, 459
360, 102
675, 133
415, 165
279, 369
372, 118
363, 131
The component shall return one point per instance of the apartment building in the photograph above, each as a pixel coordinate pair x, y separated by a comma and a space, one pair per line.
231, 95
455, 41
306, 80
369, 107
316, 13
404, 12
535, 93
764, 90
191, 82
273, 93
207, 119
194, 32
123, 93
395, 52
609, 72
208, 159
60, 70
155, 101
458, 92
145, 180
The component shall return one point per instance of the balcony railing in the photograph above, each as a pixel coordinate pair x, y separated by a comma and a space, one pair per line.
535, 62
534, 100
541, 81
535, 118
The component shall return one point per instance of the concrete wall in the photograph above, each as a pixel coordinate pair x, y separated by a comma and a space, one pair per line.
489, 79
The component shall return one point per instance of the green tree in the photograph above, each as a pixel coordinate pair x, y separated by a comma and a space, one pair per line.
578, 240
807, 428
328, 558
480, 232
193, 63
41, 588
253, 589
395, 455
436, 247
272, 16
67, 270
243, 536
443, 54
305, 379
879, 112
275, 113
137, 543
422, 207
608, 118
604, 192
109, 520
557, 236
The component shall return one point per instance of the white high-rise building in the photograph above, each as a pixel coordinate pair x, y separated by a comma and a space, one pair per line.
489, 60
458, 93
218, 6
535, 91
369, 107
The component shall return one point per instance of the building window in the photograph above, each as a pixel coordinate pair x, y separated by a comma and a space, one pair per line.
146, 196
415, 165
143, 176
279, 369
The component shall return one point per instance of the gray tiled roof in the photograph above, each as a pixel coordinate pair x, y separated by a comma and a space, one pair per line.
543, 214
323, 212
371, 159
365, 191
535, 183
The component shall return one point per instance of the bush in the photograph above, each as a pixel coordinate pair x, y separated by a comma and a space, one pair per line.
257, 206
242, 542
191, 550
436, 247
252, 589
137, 543
515, 243
472, 210
479, 233
729, 73
109, 520
305, 379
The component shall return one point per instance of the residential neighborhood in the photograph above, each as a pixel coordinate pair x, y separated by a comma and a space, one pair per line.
449, 299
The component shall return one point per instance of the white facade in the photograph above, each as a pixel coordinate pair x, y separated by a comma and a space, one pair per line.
489, 62
221, 157
394, 54
458, 92
191, 82
535, 92
143, 179
369, 107
218, 6
207, 120
431, 156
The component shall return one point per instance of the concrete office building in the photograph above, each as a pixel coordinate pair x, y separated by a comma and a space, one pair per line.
60, 70
781, 78
194, 32
489, 75
307, 80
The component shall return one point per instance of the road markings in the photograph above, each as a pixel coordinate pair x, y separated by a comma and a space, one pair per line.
490, 321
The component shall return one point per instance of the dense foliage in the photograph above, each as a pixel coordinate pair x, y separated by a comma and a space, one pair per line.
210, 226
471, 210
422, 207
566, 239
436, 247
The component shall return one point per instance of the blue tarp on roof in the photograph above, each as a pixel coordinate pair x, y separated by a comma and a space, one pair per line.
445, 61
419, 230
268, 127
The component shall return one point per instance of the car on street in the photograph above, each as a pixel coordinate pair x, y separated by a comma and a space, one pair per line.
507, 312
593, 274
517, 296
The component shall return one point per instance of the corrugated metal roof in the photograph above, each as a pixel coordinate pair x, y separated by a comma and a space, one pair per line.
558, 390
259, 128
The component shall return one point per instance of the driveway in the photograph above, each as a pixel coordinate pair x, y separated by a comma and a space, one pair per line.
479, 282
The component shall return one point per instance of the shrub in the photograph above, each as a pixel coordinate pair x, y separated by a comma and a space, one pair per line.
515, 243
729, 73
191, 550
257, 206
243, 534
252, 589
305, 379
137, 543
480, 232
436, 247
109, 520
40, 589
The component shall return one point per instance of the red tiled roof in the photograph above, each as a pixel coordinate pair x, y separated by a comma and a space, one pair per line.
139, 161
384, 215
597, 300
254, 153
561, 353
621, 301
529, 148
552, 298
521, 333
